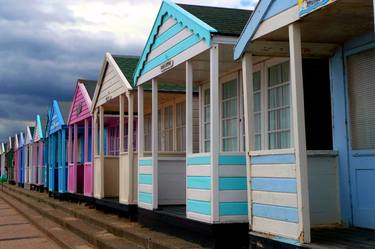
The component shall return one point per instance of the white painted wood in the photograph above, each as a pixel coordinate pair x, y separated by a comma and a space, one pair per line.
268, 226
100, 178
145, 188
215, 129
227, 40
131, 167
199, 217
272, 152
298, 121
198, 194
179, 59
145, 206
275, 198
276, 22
189, 107
145, 170
112, 61
232, 171
247, 85
198, 170
155, 144
276, 170
233, 196
122, 121
123, 177
185, 33
141, 121
166, 25
233, 219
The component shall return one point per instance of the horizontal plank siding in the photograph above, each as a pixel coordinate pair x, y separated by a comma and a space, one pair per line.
200, 207
199, 182
80, 109
145, 183
112, 86
289, 214
286, 185
273, 159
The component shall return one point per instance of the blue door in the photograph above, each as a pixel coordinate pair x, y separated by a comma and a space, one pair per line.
361, 125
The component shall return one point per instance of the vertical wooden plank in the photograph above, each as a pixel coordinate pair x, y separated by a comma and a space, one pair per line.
298, 121
70, 144
130, 145
101, 128
215, 130
75, 157
86, 139
155, 149
247, 74
95, 132
121, 126
189, 107
141, 120
63, 162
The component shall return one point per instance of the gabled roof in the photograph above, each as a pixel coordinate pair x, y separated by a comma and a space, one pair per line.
227, 21
29, 135
57, 116
21, 139
264, 10
127, 65
89, 85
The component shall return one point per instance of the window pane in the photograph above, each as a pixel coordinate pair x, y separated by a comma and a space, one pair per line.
206, 121
229, 116
257, 110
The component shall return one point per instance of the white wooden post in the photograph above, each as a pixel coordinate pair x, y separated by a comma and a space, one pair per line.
101, 177
141, 119
298, 121
215, 130
189, 108
247, 82
155, 149
121, 133
95, 132
130, 146
75, 157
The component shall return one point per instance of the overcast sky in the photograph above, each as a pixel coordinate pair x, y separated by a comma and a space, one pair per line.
45, 45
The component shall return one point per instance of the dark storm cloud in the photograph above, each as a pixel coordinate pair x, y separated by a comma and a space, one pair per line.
39, 63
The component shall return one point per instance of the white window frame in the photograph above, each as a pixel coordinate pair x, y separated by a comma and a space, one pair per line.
203, 88
179, 102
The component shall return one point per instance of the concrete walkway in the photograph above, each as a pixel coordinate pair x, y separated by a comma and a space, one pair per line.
17, 233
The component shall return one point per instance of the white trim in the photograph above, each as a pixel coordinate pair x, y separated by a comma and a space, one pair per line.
298, 121
145, 188
199, 217
189, 108
274, 198
166, 25
198, 194
182, 35
225, 40
155, 145
272, 152
233, 196
281, 228
145, 170
288, 171
145, 205
181, 58
141, 119
112, 61
198, 170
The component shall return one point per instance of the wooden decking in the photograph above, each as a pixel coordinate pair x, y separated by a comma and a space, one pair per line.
341, 238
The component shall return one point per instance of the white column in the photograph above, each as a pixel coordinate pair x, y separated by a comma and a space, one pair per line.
155, 149
189, 108
141, 119
215, 130
101, 170
95, 133
298, 121
131, 171
121, 133
247, 82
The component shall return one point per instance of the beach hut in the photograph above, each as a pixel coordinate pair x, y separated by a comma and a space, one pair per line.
309, 121
56, 150
80, 163
202, 190
28, 156
16, 159
114, 125
2, 159
10, 160
38, 169
19, 159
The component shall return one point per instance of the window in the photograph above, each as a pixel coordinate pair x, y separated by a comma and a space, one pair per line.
113, 141
181, 126
279, 119
229, 116
168, 128
206, 120
257, 110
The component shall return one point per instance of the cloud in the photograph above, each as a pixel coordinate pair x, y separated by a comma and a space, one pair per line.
47, 44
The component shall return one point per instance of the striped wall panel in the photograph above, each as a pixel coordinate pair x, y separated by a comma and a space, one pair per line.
145, 183
274, 195
233, 205
198, 182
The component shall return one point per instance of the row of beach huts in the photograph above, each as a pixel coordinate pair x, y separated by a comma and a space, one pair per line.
231, 124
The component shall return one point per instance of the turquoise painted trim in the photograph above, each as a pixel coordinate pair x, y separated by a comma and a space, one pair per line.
287, 241
56, 120
233, 208
145, 162
287, 214
200, 207
188, 20
284, 185
145, 179
40, 128
251, 27
171, 32
340, 132
199, 182
232, 183
200, 160
274, 159
172, 52
232, 160
145, 197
